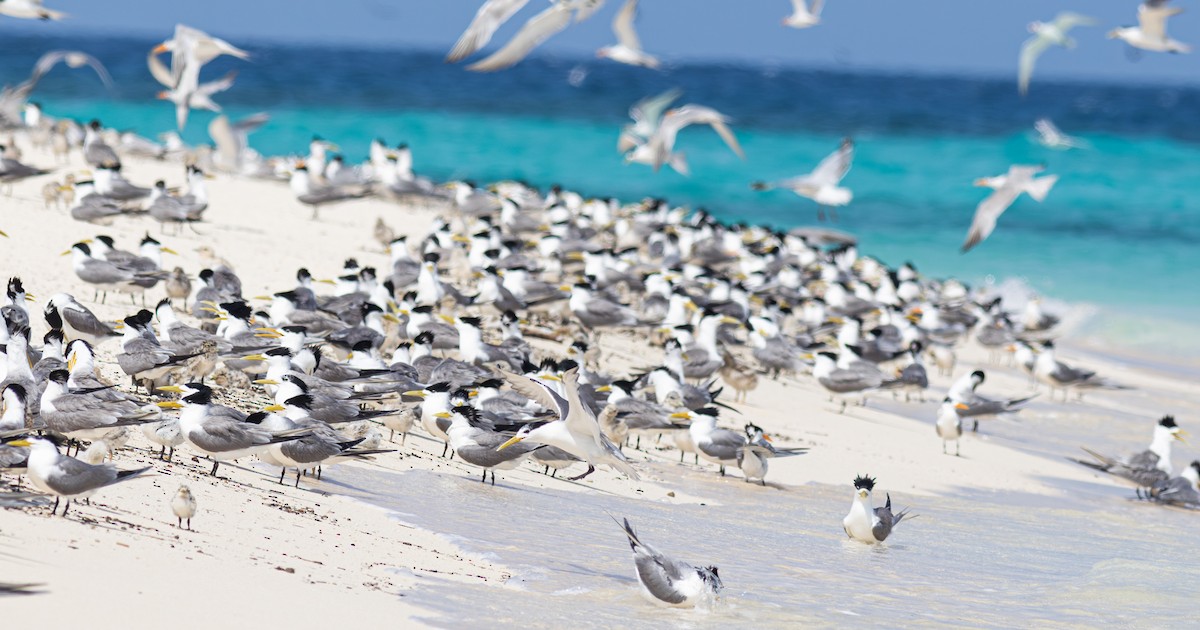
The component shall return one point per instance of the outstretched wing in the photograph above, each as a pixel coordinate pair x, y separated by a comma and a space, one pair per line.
1030, 50
834, 167
537, 30
538, 392
488, 18
987, 212
622, 26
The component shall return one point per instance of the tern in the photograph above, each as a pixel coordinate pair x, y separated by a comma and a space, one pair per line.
66, 477
659, 149
805, 13
868, 524
576, 430
538, 29
1045, 35
1151, 32
669, 582
1051, 137
1006, 189
476, 444
1148, 467
822, 184
628, 49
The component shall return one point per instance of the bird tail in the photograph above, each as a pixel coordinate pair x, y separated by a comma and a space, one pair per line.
634, 543
122, 475
1102, 462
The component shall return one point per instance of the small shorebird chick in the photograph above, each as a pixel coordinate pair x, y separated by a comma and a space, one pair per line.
183, 504
868, 524
949, 424
179, 286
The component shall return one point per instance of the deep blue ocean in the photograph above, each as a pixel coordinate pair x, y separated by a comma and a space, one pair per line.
1121, 229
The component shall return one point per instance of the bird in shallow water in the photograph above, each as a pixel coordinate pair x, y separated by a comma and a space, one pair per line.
868, 524
669, 582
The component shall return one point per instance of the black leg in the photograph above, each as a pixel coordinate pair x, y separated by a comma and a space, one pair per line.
591, 469
297, 477
55, 508
282, 472
214, 468
66, 506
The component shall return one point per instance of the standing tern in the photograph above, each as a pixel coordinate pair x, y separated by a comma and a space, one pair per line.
476, 444
490, 16
949, 423
1151, 32
628, 49
821, 185
868, 524
576, 430
1006, 189
538, 29
66, 477
1045, 35
805, 13
669, 582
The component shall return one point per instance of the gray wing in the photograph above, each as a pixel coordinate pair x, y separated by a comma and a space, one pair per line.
622, 25
1064, 373
658, 573
85, 321
221, 435
73, 477
724, 444
538, 392
883, 528
537, 30
834, 167
310, 450
1030, 50
101, 272
845, 381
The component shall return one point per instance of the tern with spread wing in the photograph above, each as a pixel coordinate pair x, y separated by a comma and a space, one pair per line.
576, 430
1006, 189
822, 184
805, 13
1151, 32
1045, 35
628, 49
537, 30
659, 149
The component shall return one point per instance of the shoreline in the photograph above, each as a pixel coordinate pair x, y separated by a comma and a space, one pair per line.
343, 552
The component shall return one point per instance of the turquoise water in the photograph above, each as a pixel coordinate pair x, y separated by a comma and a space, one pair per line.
1120, 229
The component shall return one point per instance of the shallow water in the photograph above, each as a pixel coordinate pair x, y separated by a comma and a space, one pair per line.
984, 560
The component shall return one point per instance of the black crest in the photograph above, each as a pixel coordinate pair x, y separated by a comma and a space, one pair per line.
863, 482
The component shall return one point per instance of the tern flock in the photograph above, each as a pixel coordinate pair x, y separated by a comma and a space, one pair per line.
411, 348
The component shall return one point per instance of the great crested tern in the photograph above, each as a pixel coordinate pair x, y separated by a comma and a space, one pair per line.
14, 99
83, 415
1006, 188
66, 477
1151, 32
753, 456
220, 438
190, 50
647, 115
822, 185
538, 29
1183, 491
976, 406
669, 582
868, 524
314, 195
575, 430
719, 446
1045, 35
183, 505
476, 444
1148, 467
805, 13
628, 49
